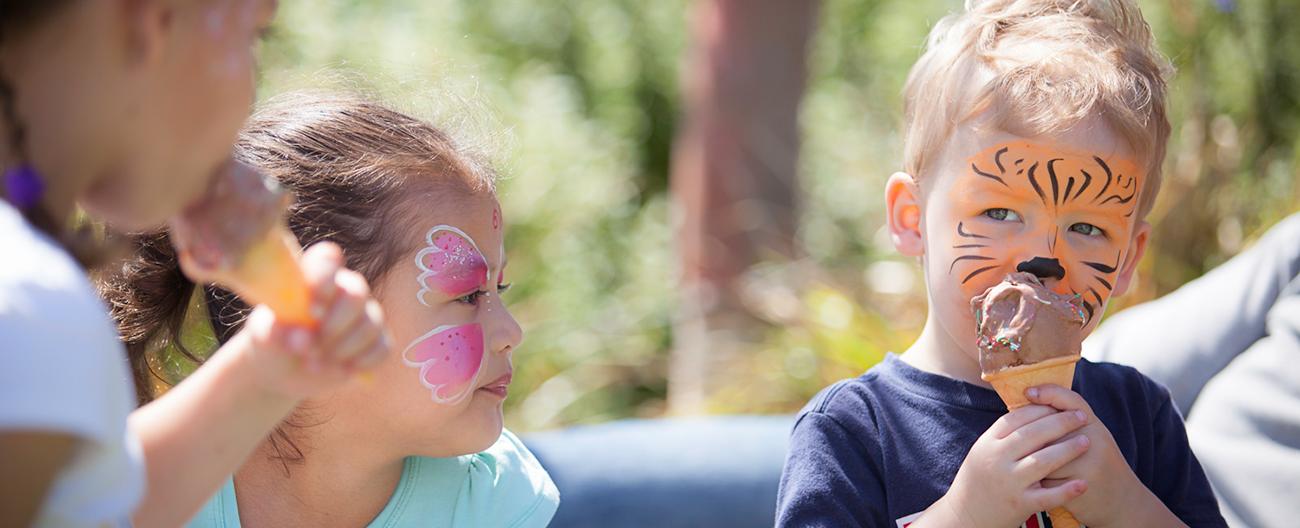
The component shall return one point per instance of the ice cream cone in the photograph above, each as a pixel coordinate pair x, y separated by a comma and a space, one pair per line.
1010, 383
269, 274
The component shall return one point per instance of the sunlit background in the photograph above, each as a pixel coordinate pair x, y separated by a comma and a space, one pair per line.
580, 101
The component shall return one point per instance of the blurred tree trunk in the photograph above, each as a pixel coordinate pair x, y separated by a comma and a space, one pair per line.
733, 179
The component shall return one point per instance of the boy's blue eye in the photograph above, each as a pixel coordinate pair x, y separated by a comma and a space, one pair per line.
1087, 229
1002, 215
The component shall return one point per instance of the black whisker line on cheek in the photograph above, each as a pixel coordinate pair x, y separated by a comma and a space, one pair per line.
1100, 267
961, 231
1051, 244
970, 246
966, 257
1087, 180
1095, 295
1104, 283
1056, 185
1088, 306
1109, 176
1034, 182
976, 272
989, 176
997, 159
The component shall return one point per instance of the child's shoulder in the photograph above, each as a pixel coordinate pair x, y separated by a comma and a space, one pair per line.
1103, 383
853, 403
503, 485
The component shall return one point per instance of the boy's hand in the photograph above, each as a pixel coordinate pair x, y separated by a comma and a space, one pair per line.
1000, 482
298, 362
1115, 496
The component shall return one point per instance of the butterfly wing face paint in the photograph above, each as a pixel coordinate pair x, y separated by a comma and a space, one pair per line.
1051, 207
451, 264
449, 357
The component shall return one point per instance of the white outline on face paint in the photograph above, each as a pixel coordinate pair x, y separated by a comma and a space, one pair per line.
428, 364
431, 248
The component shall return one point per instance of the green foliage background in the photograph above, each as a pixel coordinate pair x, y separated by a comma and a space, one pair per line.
578, 101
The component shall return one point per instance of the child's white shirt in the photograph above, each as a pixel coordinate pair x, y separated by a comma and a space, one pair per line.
63, 370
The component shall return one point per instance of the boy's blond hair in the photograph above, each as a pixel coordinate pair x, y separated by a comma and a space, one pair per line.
1038, 67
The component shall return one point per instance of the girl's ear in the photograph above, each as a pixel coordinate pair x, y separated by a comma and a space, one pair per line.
1136, 249
146, 27
903, 212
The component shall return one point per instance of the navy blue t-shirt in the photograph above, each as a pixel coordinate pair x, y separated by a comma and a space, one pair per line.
879, 449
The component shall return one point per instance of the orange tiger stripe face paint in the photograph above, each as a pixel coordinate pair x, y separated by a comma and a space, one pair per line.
1066, 215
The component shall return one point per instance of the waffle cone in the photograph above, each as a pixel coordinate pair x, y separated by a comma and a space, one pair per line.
1010, 383
268, 273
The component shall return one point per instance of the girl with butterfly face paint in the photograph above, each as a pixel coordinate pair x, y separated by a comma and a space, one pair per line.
419, 218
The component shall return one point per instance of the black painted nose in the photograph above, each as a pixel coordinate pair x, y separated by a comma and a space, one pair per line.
1043, 268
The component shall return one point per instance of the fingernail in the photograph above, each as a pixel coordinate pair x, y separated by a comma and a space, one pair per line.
1032, 393
1081, 416
1082, 441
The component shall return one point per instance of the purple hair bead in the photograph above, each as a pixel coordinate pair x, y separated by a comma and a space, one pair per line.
24, 187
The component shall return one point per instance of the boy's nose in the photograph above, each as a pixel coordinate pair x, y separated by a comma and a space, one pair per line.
1043, 268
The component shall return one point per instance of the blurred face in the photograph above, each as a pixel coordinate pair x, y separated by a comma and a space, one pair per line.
1062, 208
192, 85
441, 392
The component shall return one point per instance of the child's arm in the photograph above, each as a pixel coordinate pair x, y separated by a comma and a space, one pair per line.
1116, 496
826, 480
1000, 482
31, 460
198, 433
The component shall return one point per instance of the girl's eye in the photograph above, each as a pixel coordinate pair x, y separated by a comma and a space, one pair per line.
1002, 215
473, 298
503, 288
1087, 229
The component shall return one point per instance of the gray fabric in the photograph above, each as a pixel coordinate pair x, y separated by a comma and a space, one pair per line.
1228, 347
1183, 339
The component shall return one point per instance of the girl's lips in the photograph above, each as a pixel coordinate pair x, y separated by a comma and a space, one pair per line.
499, 386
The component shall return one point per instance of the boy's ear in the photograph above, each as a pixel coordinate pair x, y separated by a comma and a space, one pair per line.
903, 212
1136, 249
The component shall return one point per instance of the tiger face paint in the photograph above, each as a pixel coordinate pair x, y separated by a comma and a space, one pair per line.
449, 357
1065, 215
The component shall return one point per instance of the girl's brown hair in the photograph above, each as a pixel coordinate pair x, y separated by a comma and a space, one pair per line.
357, 170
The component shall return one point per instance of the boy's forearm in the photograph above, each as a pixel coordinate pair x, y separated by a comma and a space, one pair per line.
197, 434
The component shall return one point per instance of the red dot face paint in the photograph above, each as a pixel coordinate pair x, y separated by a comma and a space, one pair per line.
449, 359
451, 264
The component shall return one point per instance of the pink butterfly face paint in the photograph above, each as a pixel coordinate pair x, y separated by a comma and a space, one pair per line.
451, 264
449, 359
450, 356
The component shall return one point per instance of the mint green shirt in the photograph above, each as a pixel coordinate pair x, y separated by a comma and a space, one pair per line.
504, 487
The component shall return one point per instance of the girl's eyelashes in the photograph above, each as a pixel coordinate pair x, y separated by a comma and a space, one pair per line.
1002, 214
472, 298
503, 288
1086, 229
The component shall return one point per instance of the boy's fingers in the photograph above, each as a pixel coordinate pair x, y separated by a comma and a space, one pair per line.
319, 264
1046, 498
349, 304
1039, 464
1018, 418
1044, 431
1058, 397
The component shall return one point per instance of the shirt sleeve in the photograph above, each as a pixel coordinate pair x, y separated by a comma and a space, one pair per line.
831, 478
1182, 484
510, 486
